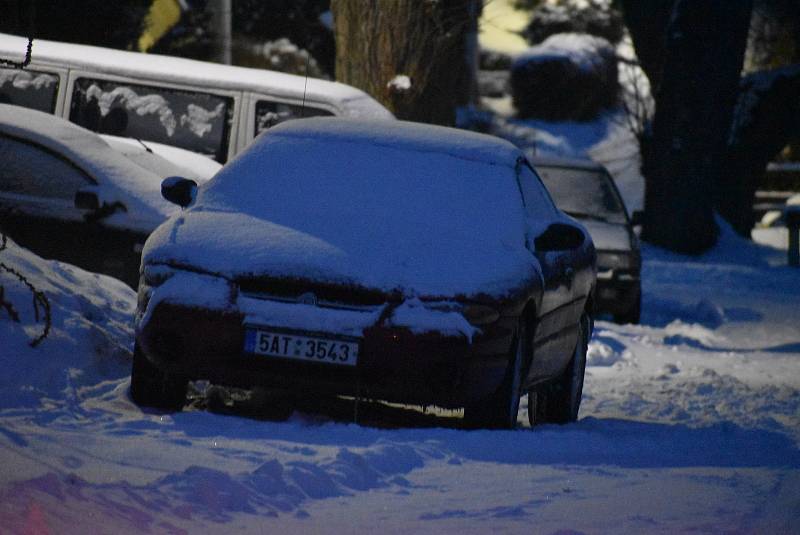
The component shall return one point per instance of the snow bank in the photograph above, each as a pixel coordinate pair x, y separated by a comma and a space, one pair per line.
90, 339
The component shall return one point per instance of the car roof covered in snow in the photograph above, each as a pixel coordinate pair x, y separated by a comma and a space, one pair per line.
138, 188
399, 135
167, 69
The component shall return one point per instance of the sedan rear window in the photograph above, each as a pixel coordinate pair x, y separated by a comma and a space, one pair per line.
28, 88
191, 120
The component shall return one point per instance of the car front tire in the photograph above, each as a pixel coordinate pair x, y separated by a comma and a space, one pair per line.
500, 410
151, 387
559, 402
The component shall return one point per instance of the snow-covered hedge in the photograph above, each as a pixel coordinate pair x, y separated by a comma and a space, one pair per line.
595, 17
569, 77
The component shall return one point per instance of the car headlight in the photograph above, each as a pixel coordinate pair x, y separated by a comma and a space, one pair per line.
475, 314
153, 276
480, 314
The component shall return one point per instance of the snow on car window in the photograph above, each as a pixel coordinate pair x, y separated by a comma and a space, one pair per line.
32, 170
583, 192
199, 122
269, 113
31, 89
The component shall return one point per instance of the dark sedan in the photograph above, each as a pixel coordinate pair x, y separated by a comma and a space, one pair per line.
586, 191
402, 262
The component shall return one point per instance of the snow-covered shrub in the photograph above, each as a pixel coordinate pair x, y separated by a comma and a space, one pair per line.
595, 17
279, 55
569, 77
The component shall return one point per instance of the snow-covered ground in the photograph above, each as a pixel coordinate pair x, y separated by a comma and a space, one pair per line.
691, 422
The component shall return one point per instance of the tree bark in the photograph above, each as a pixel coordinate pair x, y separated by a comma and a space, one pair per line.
376, 41
647, 22
684, 151
767, 119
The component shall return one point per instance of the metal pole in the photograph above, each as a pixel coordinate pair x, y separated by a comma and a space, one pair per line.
221, 23
792, 214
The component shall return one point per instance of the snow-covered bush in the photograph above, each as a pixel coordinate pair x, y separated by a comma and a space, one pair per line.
279, 55
595, 17
569, 77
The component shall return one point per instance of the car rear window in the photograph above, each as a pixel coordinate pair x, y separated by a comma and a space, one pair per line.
29, 88
583, 193
192, 120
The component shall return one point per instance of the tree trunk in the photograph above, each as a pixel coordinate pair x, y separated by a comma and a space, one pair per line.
378, 42
647, 22
685, 149
767, 118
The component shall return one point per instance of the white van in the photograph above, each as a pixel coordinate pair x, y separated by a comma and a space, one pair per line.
207, 108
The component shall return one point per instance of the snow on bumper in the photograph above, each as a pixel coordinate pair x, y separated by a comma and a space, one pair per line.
197, 325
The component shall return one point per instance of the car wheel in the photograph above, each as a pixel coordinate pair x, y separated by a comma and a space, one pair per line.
559, 402
633, 314
151, 387
500, 410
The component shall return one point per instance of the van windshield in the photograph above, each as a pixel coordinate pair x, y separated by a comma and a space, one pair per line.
195, 121
31, 89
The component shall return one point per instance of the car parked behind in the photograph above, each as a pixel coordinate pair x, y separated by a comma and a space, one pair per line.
586, 191
394, 261
66, 194
208, 108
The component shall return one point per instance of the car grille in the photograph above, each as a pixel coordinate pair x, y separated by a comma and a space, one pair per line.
324, 295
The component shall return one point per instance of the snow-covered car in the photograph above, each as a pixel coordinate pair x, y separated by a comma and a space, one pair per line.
66, 194
164, 160
585, 190
383, 260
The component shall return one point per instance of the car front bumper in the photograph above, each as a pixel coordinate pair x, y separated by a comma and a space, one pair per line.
394, 363
617, 291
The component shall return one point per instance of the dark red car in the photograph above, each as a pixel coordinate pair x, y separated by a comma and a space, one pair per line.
393, 261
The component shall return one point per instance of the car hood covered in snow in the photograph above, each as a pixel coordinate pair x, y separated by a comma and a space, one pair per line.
336, 202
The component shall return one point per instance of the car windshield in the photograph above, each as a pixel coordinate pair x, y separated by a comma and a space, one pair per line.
584, 193
362, 197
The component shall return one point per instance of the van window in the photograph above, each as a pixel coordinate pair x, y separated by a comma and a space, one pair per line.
191, 120
29, 88
269, 113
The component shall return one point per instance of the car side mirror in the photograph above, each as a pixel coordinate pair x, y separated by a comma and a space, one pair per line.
179, 190
559, 237
637, 218
87, 200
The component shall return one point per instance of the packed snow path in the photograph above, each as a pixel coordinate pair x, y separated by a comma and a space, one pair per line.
690, 422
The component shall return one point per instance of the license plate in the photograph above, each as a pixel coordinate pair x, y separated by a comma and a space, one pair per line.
287, 345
